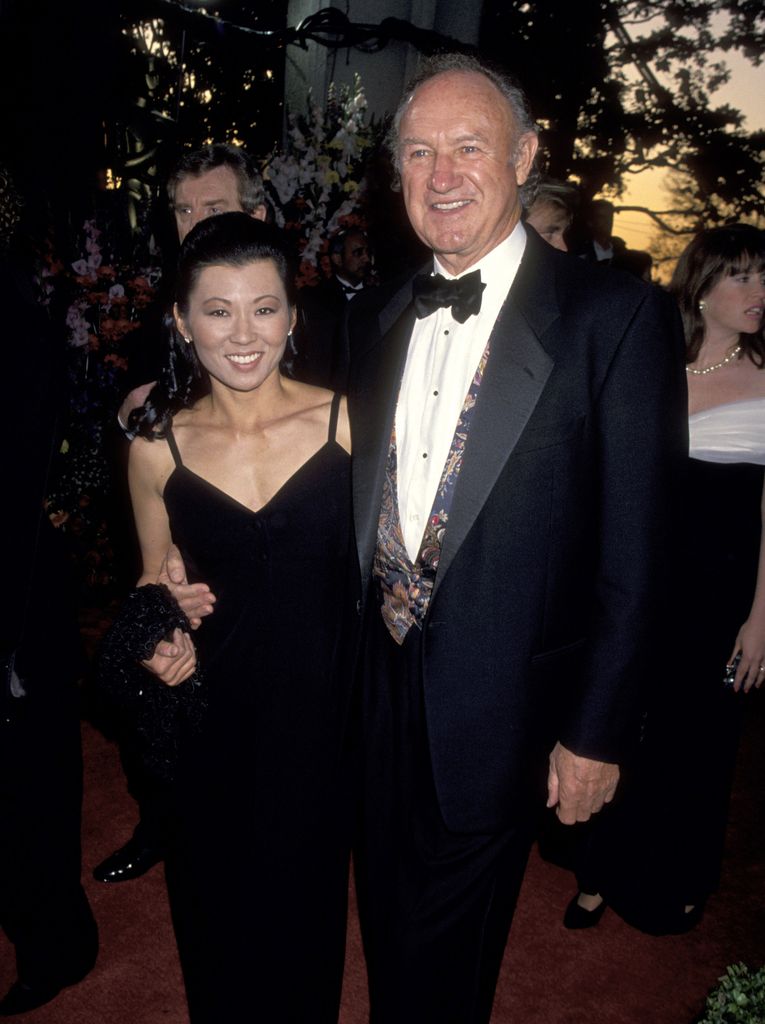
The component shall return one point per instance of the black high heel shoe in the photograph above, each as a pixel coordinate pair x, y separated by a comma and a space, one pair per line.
578, 917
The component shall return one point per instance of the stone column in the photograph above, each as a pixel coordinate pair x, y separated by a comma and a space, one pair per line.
383, 74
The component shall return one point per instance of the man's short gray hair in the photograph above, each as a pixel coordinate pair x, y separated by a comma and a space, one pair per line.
440, 64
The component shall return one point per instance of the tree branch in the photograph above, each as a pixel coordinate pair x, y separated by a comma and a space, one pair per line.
658, 217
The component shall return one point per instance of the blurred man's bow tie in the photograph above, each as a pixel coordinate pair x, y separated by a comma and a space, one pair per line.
431, 291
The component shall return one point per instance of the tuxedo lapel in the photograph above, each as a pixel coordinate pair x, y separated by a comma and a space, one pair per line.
514, 378
376, 380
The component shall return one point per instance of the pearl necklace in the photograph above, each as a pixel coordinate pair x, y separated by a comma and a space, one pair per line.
715, 366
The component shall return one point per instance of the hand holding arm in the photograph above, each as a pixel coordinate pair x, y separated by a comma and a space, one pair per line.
133, 400
196, 599
578, 785
149, 466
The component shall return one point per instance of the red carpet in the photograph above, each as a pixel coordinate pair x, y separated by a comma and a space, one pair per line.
609, 975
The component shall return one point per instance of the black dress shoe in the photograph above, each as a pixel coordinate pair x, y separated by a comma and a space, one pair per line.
131, 861
577, 917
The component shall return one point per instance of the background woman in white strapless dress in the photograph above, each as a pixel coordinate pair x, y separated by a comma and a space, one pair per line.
660, 858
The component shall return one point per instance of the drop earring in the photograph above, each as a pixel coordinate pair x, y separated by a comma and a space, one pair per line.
702, 306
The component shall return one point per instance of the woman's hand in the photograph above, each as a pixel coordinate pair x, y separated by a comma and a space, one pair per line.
173, 661
750, 643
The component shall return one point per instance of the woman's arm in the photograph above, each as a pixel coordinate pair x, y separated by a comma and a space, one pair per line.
344, 426
750, 641
148, 470
149, 466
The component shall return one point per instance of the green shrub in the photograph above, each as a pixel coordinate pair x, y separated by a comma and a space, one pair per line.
738, 999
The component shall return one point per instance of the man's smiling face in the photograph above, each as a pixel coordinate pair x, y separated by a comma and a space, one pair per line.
461, 166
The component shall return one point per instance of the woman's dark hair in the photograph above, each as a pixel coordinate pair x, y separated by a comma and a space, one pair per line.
228, 240
713, 254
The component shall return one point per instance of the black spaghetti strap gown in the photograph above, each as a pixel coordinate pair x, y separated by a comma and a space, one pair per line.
258, 873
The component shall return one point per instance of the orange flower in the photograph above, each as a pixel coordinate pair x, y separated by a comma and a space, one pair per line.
58, 518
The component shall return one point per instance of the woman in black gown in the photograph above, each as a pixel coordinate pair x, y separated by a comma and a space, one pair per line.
658, 857
248, 473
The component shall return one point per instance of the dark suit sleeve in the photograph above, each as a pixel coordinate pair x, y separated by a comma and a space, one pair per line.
37, 606
641, 418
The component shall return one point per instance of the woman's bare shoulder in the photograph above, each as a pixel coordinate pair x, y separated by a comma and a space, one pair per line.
309, 396
314, 404
150, 461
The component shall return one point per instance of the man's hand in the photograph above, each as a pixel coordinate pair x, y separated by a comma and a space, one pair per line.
750, 644
579, 786
133, 400
196, 599
173, 661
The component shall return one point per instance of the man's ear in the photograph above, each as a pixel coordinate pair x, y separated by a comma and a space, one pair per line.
336, 260
525, 151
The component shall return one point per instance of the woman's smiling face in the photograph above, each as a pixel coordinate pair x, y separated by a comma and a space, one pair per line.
238, 318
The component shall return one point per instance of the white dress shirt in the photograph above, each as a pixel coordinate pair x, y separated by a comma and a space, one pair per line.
440, 364
350, 290
602, 252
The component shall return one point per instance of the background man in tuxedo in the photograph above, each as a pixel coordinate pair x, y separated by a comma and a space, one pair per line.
321, 310
43, 907
515, 433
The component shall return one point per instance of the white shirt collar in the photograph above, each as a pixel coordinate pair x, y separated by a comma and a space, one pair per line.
602, 252
348, 286
498, 269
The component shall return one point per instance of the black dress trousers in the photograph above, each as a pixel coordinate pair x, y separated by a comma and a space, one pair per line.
435, 905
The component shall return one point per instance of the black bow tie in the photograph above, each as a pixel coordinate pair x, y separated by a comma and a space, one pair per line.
431, 291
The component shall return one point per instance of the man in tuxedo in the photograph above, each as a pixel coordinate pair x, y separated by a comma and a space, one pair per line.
517, 419
43, 907
321, 310
602, 245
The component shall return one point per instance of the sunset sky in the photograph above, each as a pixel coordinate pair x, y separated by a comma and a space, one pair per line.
744, 91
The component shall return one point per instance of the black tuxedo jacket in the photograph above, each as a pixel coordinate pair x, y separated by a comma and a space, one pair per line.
318, 336
541, 622
39, 600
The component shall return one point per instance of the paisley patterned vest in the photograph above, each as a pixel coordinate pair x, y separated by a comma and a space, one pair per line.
405, 586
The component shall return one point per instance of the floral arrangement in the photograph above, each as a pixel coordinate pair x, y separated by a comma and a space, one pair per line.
110, 298
317, 181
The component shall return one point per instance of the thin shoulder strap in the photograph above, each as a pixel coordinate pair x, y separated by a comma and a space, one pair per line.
170, 437
333, 416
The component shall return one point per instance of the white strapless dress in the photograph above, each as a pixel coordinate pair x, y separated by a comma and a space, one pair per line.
734, 432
